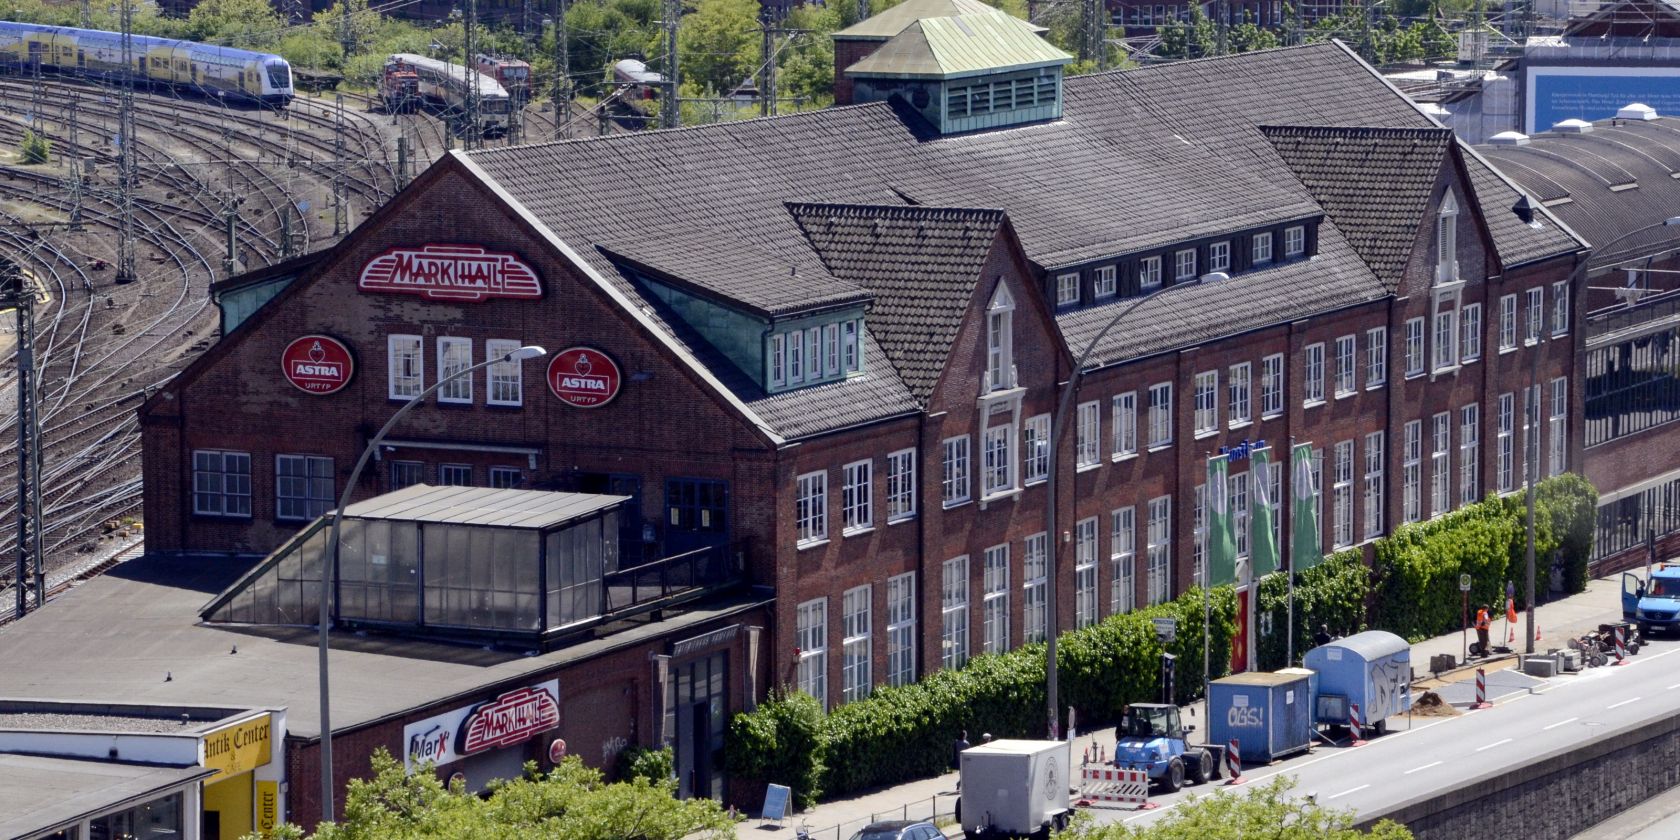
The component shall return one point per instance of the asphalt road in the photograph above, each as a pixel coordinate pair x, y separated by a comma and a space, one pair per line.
1435, 754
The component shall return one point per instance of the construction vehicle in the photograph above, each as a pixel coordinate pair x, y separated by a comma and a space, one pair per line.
1151, 738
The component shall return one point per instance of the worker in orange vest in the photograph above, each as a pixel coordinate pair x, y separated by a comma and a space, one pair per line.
1483, 621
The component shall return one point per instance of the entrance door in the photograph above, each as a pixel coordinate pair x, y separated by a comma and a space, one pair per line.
696, 514
701, 706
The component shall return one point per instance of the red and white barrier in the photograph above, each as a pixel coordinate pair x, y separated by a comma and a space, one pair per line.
1355, 725
1115, 785
1621, 646
1481, 691
1233, 762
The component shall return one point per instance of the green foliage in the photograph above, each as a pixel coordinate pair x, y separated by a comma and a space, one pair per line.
719, 44
35, 148
247, 24
905, 733
1332, 593
571, 801
807, 65
1569, 505
653, 765
1267, 810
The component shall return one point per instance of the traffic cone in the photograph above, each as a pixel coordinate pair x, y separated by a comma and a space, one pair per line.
1087, 758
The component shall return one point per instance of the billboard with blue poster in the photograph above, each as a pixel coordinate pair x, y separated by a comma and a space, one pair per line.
1596, 93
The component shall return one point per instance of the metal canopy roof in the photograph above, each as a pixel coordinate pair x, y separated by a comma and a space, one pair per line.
961, 45
894, 20
534, 509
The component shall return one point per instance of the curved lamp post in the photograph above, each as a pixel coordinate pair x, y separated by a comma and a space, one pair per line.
329, 561
1531, 446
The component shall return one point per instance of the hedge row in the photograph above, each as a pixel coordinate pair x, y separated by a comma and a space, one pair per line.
1417, 568
904, 733
1332, 593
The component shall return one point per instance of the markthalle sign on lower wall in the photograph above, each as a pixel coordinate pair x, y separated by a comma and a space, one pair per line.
512, 718
451, 273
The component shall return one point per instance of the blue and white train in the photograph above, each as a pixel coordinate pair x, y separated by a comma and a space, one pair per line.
92, 53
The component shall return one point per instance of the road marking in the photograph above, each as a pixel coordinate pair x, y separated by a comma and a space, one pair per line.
1623, 703
1558, 724
1424, 767
1348, 791
1494, 744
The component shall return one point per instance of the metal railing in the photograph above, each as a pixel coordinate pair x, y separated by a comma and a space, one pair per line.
694, 571
1615, 319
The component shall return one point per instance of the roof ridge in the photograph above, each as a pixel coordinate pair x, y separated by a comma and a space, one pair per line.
1428, 131
686, 129
901, 210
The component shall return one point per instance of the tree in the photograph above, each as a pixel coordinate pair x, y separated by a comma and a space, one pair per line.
236, 23
35, 148
1267, 810
570, 802
350, 24
807, 65
719, 44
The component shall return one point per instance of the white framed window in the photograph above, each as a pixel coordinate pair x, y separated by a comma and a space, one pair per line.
812, 618
1105, 282
1274, 499
455, 475
1085, 573
1033, 606
954, 482
1198, 534
407, 474
221, 483
406, 367
1341, 496
1219, 256
1505, 436
303, 486
1536, 314
795, 357
1239, 379
998, 469
1530, 431
1414, 347
901, 485
1160, 414
1149, 273
1124, 408
1207, 402
1159, 546
1184, 265
1411, 469
1037, 456
851, 351
1067, 289
855, 681
1373, 485
1347, 366
1000, 351
811, 508
1446, 240
1560, 307
1236, 487
813, 354
1376, 357
1318, 488
1294, 241
1312, 384
1090, 434
506, 380
901, 629
1262, 248
1440, 463
994, 621
1469, 453
831, 350
1446, 332
454, 355
857, 493
1470, 332
1271, 385
1122, 559
506, 478
953, 608
1508, 322
1557, 426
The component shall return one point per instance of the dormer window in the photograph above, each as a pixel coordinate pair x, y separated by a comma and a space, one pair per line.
1262, 248
1149, 274
807, 355
1446, 241
1067, 289
1219, 256
1294, 241
1000, 350
1185, 264
849, 346
1105, 284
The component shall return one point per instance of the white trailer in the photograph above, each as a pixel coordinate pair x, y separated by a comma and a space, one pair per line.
1014, 789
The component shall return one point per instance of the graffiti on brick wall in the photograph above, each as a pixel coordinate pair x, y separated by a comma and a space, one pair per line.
610, 749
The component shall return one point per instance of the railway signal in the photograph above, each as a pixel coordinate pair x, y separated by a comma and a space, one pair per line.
17, 293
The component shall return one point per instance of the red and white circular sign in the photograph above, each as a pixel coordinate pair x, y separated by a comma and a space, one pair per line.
584, 377
318, 364
557, 750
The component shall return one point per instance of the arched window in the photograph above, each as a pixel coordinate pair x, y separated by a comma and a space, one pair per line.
1000, 361
1446, 240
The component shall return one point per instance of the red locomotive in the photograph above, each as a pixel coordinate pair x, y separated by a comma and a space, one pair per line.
513, 75
400, 87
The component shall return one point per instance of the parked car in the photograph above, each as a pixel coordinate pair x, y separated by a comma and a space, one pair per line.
900, 830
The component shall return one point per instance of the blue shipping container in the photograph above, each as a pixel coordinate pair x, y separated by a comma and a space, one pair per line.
1270, 715
1372, 669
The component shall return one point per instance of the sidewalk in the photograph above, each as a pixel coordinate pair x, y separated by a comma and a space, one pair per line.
936, 797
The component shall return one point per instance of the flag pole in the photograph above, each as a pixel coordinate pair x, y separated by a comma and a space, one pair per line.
1289, 546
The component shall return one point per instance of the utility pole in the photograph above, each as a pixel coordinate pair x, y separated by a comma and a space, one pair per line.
75, 165
470, 139
670, 111
1224, 28
562, 93
230, 215
863, 9
341, 215
87, 14
1087, 22
16, 291
402, 161
125, 151
767, 58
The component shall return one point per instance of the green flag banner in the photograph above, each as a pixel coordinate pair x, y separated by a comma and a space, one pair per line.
1262, 544
1221, 537
1304, 551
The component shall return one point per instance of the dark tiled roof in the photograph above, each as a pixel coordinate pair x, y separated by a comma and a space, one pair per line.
747, 275
1617, 178
921, 264
1374, 182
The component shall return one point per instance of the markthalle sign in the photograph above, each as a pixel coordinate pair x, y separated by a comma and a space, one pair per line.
511, 718
450, 273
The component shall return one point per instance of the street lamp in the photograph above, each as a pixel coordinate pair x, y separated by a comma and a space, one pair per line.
329, 561
1531, 447
1050, 533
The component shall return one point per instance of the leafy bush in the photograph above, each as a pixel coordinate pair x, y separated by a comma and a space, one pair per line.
1570, 503
35, 148
654, 765
1332, 593
783, 741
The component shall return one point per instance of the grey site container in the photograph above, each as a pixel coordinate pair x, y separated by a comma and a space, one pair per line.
1270, 714
1372, 669
1013, 788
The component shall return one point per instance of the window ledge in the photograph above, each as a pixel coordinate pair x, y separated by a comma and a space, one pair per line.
1004, 496
1414, 374
1470, 361
1157, 447
811, 544
1122, 456
1033, 482
1504, 350
1088, 467
1203, 434
1450, 370
1560, 334
852, 532
1312, 403
1271, 415
1342, 395
1241, 424
902, 518
1376, 386
952, 505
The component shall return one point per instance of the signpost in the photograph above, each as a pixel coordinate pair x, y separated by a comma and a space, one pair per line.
775, 803
1464, 626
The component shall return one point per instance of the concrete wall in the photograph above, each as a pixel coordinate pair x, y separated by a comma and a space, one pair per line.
1562, 793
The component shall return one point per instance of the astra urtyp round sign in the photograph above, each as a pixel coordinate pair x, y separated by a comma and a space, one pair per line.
317, 364
584, 377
